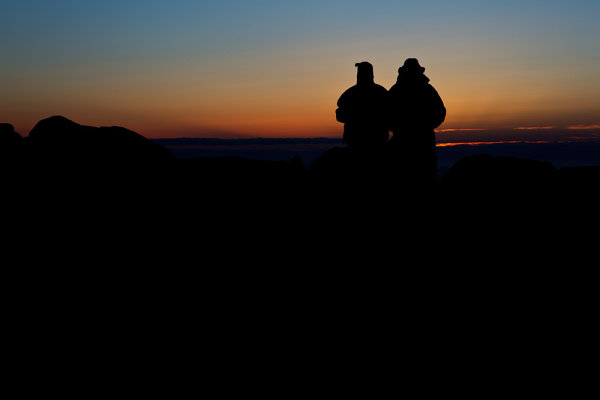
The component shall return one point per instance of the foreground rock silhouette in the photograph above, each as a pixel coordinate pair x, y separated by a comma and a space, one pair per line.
8, 137
115, 247
113, 176
61, 139
94, 177
11, 144
500, 176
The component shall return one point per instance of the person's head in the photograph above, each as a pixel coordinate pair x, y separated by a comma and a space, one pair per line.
364, 73
411, 67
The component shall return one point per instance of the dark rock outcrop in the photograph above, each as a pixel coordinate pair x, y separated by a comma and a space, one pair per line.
149, 216
342, 168
238, 184
104, 171
10, 143
579, 188
57, 138
8, 136
67, 173
499, 175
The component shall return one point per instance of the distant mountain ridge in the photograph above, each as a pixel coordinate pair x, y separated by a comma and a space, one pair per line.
561, 154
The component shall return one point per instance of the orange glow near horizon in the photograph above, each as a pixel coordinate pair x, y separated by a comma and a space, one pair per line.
296, 101
533, 128
486, 143
583, 127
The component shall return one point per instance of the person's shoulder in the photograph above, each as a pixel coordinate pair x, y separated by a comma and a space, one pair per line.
346, 95
379, 87
350, 90
430, 88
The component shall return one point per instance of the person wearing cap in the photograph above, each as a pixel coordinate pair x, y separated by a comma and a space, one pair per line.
416, 109
363, 110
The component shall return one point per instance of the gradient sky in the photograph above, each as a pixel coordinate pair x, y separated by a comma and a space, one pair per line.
232, 68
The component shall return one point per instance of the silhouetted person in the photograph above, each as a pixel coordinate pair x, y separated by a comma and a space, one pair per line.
362, 109
416, 110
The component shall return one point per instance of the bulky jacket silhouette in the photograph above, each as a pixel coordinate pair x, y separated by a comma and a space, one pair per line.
363, 110
416, 109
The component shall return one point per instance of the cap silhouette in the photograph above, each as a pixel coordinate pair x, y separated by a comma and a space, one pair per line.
364, 73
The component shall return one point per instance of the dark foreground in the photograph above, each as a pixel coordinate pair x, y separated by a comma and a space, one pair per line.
113, 176
277, 275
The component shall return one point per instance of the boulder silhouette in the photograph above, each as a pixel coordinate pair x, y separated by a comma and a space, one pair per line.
580, 183
499, 174
506, 189
100, 172
357, 183
60, 139
11, 144
346, 166
236, 183
233, 173
11, 156
8, 136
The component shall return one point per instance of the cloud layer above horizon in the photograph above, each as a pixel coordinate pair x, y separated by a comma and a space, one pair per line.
237, 68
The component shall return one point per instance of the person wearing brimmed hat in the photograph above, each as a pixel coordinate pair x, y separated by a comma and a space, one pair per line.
363, 110
416, 109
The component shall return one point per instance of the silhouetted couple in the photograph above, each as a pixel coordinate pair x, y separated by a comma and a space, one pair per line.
411, 109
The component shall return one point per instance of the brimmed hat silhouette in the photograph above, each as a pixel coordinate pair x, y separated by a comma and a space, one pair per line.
411, 65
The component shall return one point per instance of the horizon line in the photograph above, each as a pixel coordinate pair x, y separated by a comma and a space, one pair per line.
519, 129
213, 140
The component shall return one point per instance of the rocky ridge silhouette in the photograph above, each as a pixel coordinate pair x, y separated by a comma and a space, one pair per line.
114, 174
58, 143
